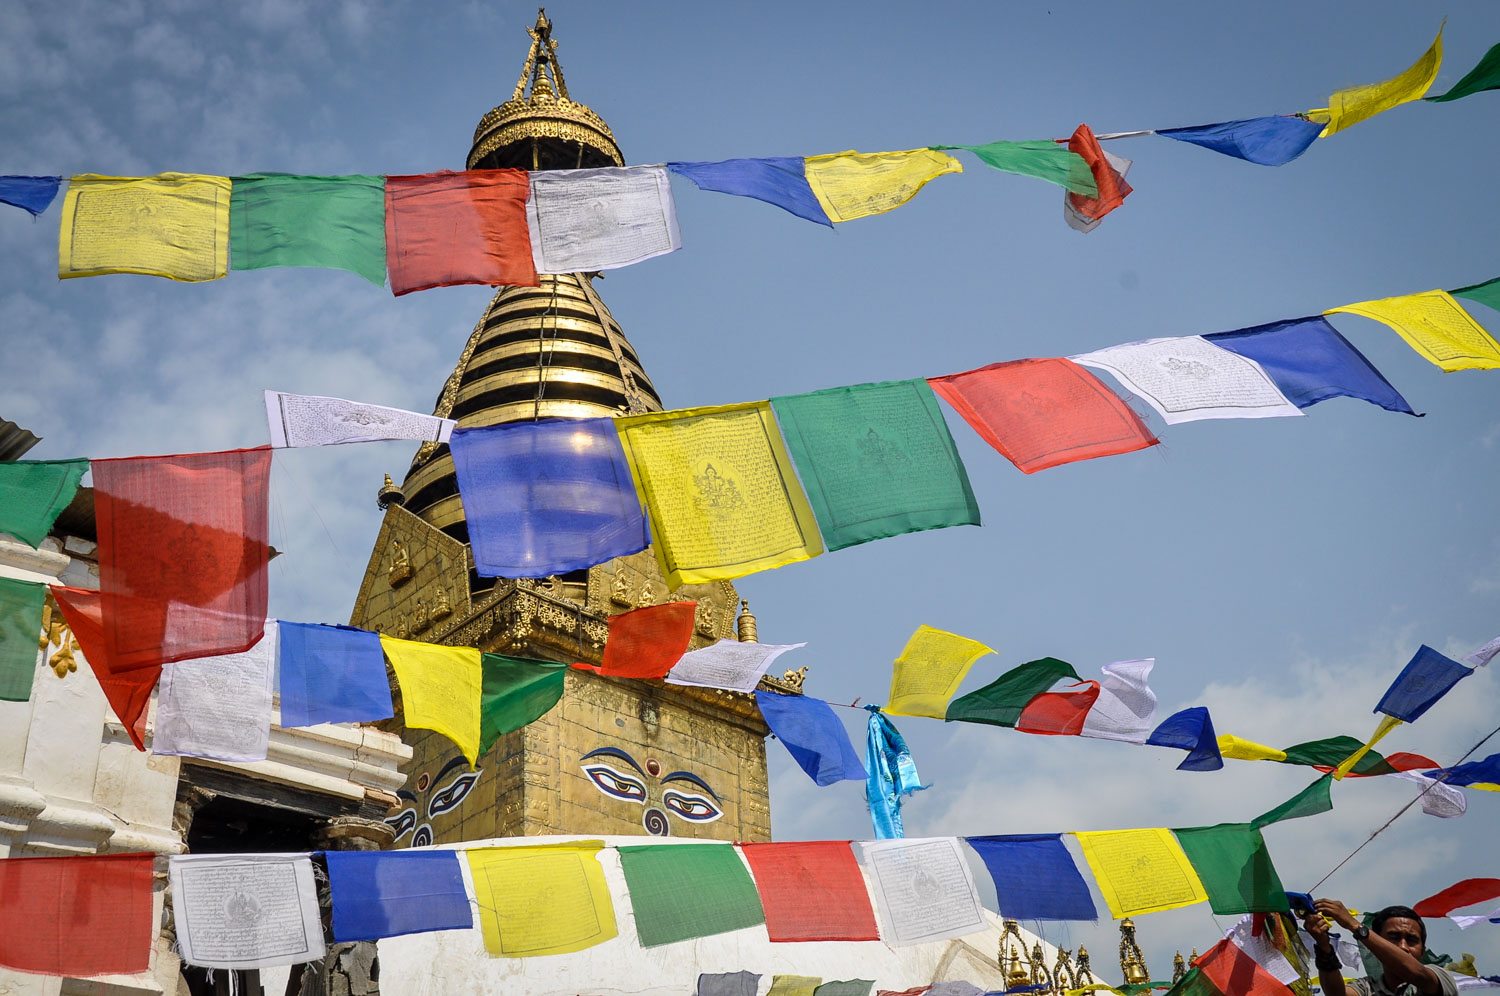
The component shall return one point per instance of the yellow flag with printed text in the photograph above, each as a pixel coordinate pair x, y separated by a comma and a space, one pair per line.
441, 689
1436, 326
720, 491
1140, 871
930, 670
174, 225
853, 184
1386, 725
1354, 104
1247, 750
542, 900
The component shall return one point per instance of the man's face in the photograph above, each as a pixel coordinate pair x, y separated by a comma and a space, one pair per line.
1405, 933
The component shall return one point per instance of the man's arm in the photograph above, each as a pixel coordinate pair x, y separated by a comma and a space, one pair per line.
1400, 967
1330, 973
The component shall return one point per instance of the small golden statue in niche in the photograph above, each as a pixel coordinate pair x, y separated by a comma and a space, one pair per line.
400, 570
400, 631
648, 594
419, 618
703, 619
619, 591
441, 607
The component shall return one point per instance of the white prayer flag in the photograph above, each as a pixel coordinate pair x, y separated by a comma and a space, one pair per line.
1189, 378
1126, 706
311, 420
924, 890
1076, 219
1484, 654
1438, 798
727, 664
1467, 920
1260, 950
599, 219
245, 910
218, 707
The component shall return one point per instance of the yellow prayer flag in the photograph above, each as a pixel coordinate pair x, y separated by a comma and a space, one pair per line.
930, 670
173, 225
1247, 750
1140, 871
720, 490
853, 184
1436, 326
440, 689
1386, 725
1354, 104
794, 985
542, 900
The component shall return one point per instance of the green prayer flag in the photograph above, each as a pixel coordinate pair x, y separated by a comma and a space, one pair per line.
1487, 293
1232, 862
1194, 983
1000, 702
1316, 798
682, 891
279, 219
1334, 751
1485, 76
851, 987
33, 494
20, 635
1044, 160
516, 691
876, 460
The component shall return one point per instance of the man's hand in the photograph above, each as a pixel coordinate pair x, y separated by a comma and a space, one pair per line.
1333, 910
1318, 927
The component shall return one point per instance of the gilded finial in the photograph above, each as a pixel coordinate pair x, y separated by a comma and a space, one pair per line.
389, 494
1132, 960
747, 630
1012, 956
1179, 967
1083, 973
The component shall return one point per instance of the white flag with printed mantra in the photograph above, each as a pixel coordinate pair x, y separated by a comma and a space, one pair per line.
600, 219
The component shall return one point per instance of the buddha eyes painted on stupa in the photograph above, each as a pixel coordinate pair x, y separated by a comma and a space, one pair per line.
624, 778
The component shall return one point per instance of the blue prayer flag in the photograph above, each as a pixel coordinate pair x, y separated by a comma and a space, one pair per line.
813, 736
893, 775
1485, 771
1191, 730
1311, 362
1270, 141
781, 181
332, 674
547, 497
1424, 680
29, 193
386, 893
1035, 877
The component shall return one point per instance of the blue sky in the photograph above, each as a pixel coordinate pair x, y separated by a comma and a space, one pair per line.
1281, 571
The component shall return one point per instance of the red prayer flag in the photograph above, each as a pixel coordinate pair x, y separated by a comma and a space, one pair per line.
451, 228
1457, 896
1399, 761
1059, 713
1040, 413
79, 916
183, 555
1230, 969
1112, 186
129, 692
645, 643
812, 891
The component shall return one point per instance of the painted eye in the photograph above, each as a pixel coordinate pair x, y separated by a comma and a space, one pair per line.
423, 836
403, 822
615, 783
452, 794
691, 807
